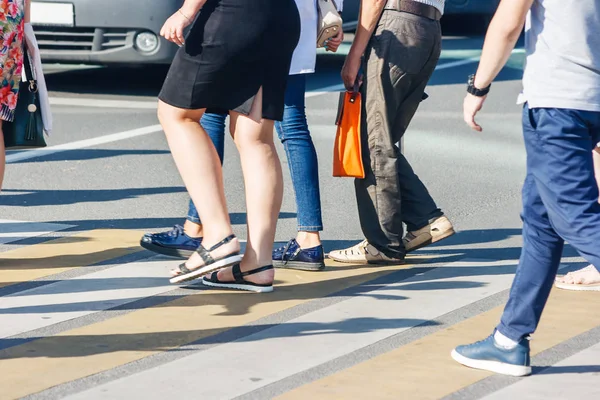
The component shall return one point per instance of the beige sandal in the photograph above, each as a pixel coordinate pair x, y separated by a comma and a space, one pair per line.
580, 280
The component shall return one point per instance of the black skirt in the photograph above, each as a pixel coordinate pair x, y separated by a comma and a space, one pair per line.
234, 48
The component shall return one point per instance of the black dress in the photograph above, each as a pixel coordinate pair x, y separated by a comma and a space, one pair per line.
234, 48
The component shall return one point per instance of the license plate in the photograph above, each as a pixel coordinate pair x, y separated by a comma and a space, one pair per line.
58, 14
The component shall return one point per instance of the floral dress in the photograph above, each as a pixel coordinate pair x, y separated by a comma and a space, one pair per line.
11, 55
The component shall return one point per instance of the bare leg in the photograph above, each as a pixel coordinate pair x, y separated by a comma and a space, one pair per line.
264, 190
2, 155
308, 240
200, 169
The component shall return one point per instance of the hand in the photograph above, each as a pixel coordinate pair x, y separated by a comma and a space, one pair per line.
350, 71
173, 28
333, 43
471, 107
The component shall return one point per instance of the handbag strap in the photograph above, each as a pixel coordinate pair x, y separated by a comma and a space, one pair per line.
27, 63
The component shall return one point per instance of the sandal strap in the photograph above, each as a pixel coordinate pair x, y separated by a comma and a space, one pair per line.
257, 270
222, 242
238, 275
184, 270
205, 255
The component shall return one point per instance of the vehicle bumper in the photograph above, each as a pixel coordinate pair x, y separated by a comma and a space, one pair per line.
104, 32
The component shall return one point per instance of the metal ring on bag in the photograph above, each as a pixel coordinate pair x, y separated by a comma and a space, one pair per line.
33, 87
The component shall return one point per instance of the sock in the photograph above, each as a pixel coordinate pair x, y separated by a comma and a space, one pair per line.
504, 341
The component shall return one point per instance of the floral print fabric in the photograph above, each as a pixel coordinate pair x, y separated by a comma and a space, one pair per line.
11, 55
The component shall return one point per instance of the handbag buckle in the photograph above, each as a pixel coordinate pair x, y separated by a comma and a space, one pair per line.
33, 87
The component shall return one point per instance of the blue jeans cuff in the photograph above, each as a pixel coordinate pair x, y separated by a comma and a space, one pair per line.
510, 333
316, 228
194, 219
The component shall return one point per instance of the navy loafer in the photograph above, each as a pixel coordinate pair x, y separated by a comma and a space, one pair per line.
294, 257
173, 243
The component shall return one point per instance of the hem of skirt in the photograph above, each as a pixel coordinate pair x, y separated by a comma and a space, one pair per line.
239, 109
6, 114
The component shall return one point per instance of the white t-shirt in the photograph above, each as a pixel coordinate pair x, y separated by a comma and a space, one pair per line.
305, 55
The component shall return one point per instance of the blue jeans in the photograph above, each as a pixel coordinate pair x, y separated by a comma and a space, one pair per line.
300, 150
560, 203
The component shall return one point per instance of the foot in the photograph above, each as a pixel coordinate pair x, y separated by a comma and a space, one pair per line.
363, 253
585, 279
440, 228
292, 256
208, 259
258, 280
174, 243
490, 356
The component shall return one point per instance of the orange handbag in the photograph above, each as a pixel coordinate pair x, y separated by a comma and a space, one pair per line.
347, 149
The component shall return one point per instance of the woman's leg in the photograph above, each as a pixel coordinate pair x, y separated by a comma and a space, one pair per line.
2, 155
264, 189
200, 168
302, 161
214, 125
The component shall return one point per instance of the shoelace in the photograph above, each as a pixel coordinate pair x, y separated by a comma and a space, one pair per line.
176, 231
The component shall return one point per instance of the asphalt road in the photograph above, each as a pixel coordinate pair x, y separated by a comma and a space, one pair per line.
111, 169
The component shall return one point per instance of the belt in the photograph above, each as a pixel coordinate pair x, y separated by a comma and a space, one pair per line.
414, 7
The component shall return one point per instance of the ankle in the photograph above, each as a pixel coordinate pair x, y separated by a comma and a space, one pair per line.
504, 341
308, 240
193, 229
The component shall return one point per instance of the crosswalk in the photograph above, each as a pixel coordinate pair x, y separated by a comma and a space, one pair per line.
102, 322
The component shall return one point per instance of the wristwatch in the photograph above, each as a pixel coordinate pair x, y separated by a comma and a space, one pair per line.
475, 91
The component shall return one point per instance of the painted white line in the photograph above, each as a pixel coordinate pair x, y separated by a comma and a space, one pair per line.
103, 103
314, 338
457, 63
11, 231
74, 298
82, 144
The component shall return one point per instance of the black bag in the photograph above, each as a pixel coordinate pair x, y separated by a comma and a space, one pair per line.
27, 128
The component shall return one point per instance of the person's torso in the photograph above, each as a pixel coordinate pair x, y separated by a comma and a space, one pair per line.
305, 54
562, 41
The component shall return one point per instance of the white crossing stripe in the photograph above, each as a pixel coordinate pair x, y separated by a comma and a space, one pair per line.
314, 338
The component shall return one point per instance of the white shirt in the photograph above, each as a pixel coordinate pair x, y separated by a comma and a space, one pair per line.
305, 55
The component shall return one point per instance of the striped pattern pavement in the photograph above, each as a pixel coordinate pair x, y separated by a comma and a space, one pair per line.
90, 315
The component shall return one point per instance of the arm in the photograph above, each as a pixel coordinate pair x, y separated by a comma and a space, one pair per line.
191, 7
500, 40
370, 11
334, 43
173, 28
27, 11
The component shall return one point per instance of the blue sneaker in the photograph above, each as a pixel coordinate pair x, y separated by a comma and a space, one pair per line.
488, 355
174, 243
294, 257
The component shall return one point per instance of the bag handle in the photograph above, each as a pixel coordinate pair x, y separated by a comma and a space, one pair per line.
28, 70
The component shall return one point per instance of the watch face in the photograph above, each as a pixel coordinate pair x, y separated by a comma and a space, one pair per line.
471, 79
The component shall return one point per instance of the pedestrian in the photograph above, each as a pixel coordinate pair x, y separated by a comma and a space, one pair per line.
13, 16
305, 252
561, 126
399, 42
236, 57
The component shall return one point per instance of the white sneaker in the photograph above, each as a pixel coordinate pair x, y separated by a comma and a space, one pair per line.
363, 253
439, 229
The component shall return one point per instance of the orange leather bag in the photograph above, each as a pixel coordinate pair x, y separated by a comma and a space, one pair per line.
347, 149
